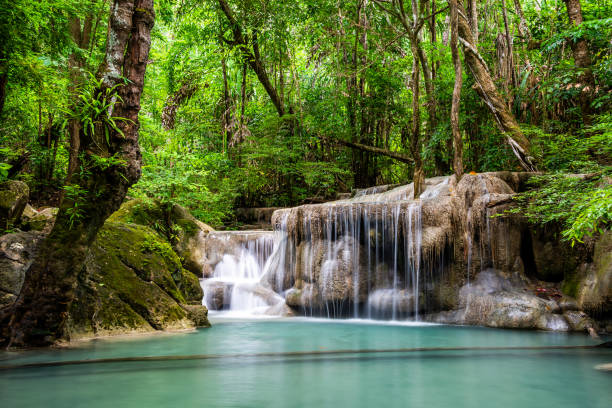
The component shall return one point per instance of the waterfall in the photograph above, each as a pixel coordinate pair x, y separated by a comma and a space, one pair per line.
362, 257
234, 284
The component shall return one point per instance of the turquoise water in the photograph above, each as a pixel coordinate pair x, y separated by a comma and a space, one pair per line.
516, 378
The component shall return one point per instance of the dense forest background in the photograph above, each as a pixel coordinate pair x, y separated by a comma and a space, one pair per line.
258, 103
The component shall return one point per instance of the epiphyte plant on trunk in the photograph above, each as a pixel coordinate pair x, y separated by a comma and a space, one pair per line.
39, 314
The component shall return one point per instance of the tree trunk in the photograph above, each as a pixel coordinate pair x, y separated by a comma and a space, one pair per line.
524, 31
38, 316
582, 59
415, 142
3, 83
401, 157
509, 46
473, 16
454, 119
253, 58
487, 90
174, 101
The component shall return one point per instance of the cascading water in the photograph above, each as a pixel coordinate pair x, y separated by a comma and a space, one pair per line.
234, 284
359, 258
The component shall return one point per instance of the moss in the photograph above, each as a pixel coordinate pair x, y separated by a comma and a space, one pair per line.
139, 248
571, 284
145, 297
131, 283
142, 212
190, 286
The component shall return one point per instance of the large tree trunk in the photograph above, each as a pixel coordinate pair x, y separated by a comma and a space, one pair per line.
38, 316
415, 141
454, 118
487, 90
523, 29
582, 59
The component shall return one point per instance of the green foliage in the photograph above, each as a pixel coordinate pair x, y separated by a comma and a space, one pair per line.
4, 167
75, 195
342, 71
582, 205
95, 102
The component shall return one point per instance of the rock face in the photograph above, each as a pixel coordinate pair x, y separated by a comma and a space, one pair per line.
14, 197
453, 256
17, 252
494, 300
133, 281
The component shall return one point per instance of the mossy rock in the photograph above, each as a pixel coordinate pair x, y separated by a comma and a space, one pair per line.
142, 212
175, 224
14, 197
190, 288
40, 220
131, 282
591, 284
198, 315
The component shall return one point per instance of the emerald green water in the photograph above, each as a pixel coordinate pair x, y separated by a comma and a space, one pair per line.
517, 378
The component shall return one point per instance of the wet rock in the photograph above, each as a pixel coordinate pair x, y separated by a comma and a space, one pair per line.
578, 321
390, 303
217, 295
494, 301
591, 284
189, 240
280, 309
198, 314
14, 197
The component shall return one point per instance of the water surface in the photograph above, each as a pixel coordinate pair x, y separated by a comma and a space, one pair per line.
514, 378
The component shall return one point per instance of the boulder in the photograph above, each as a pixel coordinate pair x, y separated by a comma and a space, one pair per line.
217, 294
17, 252
494, 300
14, 197
189, 240
42, 220
198, 314
591, 283
132, 281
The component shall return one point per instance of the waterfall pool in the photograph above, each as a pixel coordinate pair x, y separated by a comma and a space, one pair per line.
268, 363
